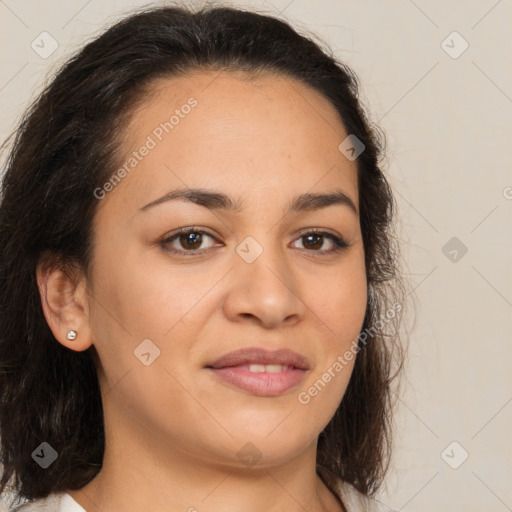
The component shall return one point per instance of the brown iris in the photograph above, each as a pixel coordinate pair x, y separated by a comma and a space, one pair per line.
192, 240
319, 239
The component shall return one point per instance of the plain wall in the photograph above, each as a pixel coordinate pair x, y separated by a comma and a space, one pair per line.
448, 124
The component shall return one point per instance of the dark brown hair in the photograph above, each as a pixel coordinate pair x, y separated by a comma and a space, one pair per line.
67, 145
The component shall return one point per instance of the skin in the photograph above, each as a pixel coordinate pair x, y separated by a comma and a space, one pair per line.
173, 430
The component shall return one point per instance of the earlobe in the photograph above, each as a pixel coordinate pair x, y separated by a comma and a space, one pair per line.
65, 308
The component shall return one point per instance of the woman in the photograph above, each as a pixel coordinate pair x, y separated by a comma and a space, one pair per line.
200, 298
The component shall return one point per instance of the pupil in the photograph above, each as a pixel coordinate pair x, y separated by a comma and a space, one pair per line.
315, 236
194, 238
191, 238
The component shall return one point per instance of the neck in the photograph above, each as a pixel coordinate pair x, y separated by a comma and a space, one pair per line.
141, 471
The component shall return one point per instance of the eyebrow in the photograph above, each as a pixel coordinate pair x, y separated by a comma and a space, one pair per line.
214, 200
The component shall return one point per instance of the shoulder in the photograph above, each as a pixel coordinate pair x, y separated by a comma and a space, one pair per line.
49, 504
54, 502
354, 501
350, 497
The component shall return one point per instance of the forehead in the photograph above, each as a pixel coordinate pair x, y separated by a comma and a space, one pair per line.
236, 132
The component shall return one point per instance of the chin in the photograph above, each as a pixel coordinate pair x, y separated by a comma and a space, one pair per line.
268, 448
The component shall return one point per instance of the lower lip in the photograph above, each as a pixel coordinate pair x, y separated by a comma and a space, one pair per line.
260, 383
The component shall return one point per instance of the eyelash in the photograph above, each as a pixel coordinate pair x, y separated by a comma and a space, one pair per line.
339, 243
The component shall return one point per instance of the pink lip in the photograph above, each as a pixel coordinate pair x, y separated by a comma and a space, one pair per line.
261, 356
233, 368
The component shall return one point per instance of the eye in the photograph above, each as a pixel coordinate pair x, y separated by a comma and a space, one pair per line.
314, 239
190, 239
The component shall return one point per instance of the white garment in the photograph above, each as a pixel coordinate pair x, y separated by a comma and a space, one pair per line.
352, 500
54, 502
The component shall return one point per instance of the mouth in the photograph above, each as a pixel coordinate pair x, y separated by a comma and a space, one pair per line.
261, 372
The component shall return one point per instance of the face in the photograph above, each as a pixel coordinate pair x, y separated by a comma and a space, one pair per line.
164, 307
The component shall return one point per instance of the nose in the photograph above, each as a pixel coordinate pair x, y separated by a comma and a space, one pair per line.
265, 291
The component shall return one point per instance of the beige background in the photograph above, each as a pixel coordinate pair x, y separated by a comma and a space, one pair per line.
448, 122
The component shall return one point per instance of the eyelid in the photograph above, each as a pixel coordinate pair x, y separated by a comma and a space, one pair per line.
323, 231
339, 241
184, 231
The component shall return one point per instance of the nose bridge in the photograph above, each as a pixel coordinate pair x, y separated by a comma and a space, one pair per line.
266, 286
263, 255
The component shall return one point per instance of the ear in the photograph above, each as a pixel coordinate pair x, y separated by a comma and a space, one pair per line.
65, 304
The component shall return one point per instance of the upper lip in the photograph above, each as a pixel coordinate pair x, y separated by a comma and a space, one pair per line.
255, 355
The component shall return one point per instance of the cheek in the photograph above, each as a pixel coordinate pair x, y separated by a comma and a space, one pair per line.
144, 297
341, 300
342, 309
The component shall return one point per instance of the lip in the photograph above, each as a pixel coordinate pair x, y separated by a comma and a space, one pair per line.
255, 355
232, 368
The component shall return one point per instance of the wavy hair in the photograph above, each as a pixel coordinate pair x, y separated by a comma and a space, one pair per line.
67, 144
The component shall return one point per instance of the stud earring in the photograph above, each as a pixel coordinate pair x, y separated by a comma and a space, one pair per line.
71, 335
